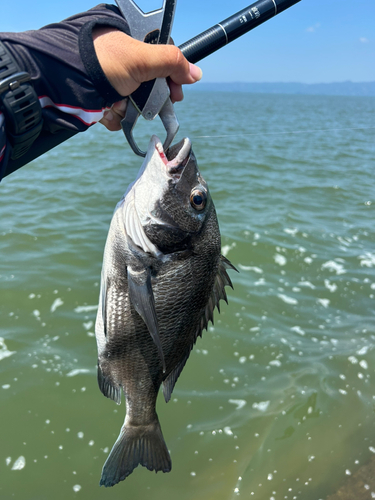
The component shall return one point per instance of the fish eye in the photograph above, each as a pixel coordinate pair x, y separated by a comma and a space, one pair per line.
198, 199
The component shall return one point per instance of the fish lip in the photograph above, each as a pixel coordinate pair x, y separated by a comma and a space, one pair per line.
174, 158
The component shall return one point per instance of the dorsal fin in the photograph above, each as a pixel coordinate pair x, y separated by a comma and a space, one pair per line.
218, 292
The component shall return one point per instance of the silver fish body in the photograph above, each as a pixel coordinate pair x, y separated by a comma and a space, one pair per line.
162, 277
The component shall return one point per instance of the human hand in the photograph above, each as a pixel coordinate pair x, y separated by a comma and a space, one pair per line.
127, 63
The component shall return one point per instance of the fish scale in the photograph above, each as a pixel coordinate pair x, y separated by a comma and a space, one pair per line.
163, 275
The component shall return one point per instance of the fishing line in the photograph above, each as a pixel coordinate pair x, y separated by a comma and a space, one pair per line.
280, 133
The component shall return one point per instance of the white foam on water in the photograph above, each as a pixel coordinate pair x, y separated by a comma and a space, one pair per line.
286, 299
239, 402
343, 241
77, 371
250, 268
80, 309
275, 362
36, 313
298, 330
19, 464
56, 303
260, 282
226, 248
367, 260
332, 287
280, 259
4, 351
333, 266
363, 350
307, 284
353, 360
293, 231
323, 302
261, 406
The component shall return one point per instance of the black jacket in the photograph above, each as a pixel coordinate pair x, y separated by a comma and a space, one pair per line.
73, 90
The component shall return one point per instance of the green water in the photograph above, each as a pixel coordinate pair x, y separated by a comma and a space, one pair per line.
277, 400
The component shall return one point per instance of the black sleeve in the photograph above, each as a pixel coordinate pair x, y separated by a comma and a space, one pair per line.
66, 75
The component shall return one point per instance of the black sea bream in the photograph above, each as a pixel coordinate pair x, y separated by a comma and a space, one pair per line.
163, 274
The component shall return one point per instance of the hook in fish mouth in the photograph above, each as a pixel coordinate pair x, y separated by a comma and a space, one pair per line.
176, 157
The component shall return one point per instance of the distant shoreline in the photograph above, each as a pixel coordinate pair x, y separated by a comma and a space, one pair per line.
339, 88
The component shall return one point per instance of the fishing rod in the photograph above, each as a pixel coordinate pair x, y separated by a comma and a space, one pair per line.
195, 49
233, 27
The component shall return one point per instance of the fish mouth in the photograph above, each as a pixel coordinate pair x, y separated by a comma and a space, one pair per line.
174, 158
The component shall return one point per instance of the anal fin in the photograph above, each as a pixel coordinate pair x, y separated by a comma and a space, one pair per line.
170, 381
108, 388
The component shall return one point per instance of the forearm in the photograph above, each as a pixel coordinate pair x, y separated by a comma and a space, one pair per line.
66, 75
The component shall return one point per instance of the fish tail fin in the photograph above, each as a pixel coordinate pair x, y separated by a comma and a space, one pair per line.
144, 445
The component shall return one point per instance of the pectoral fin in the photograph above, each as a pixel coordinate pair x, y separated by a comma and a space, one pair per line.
142, 298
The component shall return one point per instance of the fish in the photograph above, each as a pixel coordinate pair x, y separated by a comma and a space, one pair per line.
162, 277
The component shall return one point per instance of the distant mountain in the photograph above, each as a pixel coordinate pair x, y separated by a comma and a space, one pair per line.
339, 88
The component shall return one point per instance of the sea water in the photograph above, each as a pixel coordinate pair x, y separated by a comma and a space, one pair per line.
277, 400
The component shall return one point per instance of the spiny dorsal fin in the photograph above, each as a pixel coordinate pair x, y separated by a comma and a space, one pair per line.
218, 292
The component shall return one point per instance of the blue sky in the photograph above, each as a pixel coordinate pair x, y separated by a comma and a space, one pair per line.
313, 41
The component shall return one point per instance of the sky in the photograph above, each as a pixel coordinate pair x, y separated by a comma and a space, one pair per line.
315, 41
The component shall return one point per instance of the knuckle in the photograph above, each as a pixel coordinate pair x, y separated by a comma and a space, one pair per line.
176, 59
179, 58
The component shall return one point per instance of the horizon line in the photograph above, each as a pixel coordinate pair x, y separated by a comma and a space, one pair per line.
286, 83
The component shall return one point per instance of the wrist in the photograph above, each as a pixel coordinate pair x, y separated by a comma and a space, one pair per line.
90, 59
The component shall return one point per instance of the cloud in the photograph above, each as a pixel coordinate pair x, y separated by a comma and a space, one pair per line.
312, 29
364, 40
